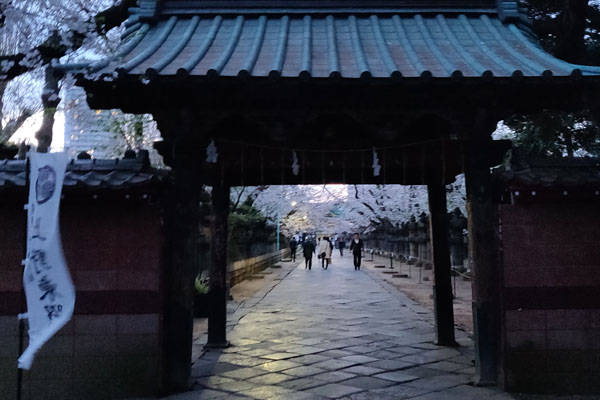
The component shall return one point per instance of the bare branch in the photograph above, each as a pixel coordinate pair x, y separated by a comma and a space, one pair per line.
239, 197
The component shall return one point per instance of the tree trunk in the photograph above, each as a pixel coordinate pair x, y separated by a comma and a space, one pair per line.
50, 100
8, 129
3, 84
569, 144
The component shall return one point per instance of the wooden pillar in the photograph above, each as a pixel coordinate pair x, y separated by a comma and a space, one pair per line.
442, 289
181, 216
217, 315
482, 212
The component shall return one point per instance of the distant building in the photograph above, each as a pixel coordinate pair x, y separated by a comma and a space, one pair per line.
86, 129
77, 128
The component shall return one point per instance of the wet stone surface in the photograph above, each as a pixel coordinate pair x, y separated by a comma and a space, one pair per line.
336, 333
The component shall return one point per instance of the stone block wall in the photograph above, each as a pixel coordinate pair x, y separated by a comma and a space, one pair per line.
242, 269
112, 346
551, 317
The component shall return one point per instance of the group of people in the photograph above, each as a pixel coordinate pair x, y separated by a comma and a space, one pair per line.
324, 250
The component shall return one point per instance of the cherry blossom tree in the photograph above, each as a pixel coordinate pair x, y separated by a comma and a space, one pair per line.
343, 208
36, 34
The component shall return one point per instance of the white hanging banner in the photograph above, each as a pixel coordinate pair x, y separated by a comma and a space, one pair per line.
48, 286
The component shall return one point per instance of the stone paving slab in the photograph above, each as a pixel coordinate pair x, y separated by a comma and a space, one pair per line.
334, 390
362, 370
334, 334
368, 383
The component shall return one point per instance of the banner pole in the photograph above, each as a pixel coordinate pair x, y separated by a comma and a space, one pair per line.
19, 370
23, 303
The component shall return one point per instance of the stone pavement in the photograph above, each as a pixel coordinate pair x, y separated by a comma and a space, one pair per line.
336, 333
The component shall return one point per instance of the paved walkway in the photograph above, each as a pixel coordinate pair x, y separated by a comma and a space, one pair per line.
335, 333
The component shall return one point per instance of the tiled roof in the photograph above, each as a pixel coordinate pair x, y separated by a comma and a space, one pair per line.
531, 172
91, 174
187, 41
320, 6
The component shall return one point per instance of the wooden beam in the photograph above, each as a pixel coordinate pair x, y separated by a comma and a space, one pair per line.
217, 314
291, 97
255, 164
442, 288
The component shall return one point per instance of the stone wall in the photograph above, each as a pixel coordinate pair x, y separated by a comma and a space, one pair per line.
241, 270
551, 271
111, 348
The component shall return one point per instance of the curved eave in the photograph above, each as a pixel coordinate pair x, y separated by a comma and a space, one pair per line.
182, 81
370, 47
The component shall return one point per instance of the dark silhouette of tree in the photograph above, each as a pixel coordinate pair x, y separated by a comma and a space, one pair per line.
570, 30
567, 28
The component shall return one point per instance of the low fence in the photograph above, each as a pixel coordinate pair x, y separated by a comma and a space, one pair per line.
411, 241
241, 270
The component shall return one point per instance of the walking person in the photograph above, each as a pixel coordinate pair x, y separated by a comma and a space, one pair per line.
293, 247
325, 252
308, 250
356, 247
341, 246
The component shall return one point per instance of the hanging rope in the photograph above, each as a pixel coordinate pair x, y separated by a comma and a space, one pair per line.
383, 165
462, 156
344, 168
362, 167
362, 150
222, 165
242, 165
376, 166
404, 156
282, 167
380, 156
262, 166
444, 163
295, 166
303, 167
323, 167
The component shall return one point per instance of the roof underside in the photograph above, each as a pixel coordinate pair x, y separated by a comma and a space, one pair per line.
346, 45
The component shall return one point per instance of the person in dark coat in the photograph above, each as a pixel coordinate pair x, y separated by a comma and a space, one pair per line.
356, 246
308, 249
293, 247
341, 246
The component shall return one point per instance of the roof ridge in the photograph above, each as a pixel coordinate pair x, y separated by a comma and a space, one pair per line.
508, 11
179, 7
323, 3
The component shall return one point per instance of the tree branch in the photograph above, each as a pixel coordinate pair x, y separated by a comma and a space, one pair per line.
50, 100
11, 127
239, 197
54, 47
113, 16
